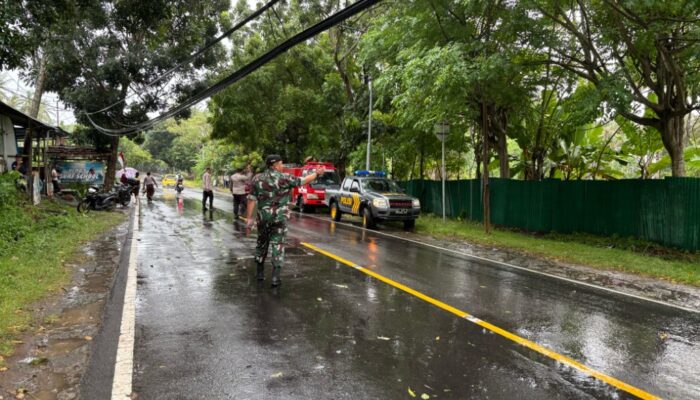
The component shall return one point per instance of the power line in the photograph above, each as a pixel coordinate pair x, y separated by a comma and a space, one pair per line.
327, 23
193, 56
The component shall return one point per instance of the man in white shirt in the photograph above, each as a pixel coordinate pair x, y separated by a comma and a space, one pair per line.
207, 190
238, 183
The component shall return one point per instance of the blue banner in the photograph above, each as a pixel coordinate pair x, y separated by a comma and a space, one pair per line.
83, 172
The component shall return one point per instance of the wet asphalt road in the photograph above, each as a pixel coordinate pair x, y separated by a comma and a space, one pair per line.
207, 330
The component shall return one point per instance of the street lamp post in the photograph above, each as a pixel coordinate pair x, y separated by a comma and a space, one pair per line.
441, 130
369, 126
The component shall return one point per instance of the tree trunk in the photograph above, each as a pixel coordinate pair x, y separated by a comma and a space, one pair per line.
422, 161
602, 151
477, 159
485, 179
500, 119
672, 135
503, 155
112, 163
28, 142
643, 168
413, 167
34, 113
535, 164
477, 152
38, 87
341, 165
538, 158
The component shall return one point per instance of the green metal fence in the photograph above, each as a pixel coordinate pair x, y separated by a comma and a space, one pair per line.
666, 211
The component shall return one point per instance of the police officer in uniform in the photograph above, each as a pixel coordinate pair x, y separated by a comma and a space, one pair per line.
271, 190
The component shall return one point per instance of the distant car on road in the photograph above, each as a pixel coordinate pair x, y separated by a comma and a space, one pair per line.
168, 180
374, 197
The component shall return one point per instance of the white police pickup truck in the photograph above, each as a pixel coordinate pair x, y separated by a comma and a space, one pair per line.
373, 197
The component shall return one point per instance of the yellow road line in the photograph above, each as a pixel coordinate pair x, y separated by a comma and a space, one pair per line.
493, 328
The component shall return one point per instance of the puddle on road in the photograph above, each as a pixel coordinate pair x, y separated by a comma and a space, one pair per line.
52, 384
97, 283
188, 207
57, 347
81, 315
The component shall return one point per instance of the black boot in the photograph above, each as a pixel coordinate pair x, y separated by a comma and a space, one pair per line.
276, 281
259, 274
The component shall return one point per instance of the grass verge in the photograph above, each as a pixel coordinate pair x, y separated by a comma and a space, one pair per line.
33, 264
609, 253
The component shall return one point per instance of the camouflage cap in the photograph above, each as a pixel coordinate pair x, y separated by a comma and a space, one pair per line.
272, 158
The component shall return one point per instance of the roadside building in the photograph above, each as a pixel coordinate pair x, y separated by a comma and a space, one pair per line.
24, 143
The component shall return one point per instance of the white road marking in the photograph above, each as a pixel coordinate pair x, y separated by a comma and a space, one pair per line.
124, 366
504, 264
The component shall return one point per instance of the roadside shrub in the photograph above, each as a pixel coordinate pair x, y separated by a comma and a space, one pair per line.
14, 221
8, 188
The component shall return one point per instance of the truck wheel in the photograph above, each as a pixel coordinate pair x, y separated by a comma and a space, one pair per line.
367, 219
336, 214
408, 225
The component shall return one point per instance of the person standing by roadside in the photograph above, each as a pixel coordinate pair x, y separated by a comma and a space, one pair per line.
239, 180
149, 185
55, 176
271, 190
207, 190
135, 185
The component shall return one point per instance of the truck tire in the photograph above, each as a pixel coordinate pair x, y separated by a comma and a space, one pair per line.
368, 221
409, 224
336, 214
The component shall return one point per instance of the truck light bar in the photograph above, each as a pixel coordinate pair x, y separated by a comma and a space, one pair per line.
379, 174
326, 164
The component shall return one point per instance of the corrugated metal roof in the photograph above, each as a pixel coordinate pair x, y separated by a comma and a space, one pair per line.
21, 119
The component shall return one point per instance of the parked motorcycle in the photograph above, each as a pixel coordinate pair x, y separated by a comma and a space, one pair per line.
124, 194
94, 200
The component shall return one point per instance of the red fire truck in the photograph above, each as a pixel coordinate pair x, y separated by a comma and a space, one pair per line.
312, 195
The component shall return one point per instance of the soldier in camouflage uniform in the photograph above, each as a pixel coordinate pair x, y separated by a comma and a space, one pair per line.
271, 190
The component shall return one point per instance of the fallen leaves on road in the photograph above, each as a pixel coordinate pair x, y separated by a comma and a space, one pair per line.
411, 392
277, 375
425, 396
88, 338
383, 338
437, 338
319, 299
39, 361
